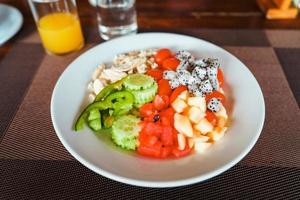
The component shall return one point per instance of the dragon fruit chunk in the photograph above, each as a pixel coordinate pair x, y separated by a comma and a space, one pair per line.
185, 56
174, 83
214, 105
169, 75
206, 86
199, 72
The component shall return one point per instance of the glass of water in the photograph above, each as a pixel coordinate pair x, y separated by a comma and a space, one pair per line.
116, 18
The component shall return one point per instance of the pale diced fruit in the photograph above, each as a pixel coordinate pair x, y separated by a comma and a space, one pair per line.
201, 147
201, 138
217, 134
186, 111
103, 81
191, 142
184, 95
90, 87
183, 125
179, 105
221, 90
91, 98
222, 122
181, 141
197, 133
98, 86
96, 74
198, 102
195, 114
98, 71
204, 126
222, 112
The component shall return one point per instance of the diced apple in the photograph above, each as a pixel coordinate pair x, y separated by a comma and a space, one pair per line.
198, 102
191, 142
183, 95
195, 114
201, 138
217, 134
183, 125
181, 141
179, 105
201, 147
222, 112
204, 126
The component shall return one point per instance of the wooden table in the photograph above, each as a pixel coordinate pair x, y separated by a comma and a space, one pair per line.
176, 14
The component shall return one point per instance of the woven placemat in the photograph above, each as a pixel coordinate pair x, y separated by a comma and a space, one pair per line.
35, 165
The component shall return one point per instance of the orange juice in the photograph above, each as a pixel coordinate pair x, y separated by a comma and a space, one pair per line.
60, 32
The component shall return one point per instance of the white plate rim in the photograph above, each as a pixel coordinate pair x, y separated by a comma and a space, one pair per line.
162, 184
18, 25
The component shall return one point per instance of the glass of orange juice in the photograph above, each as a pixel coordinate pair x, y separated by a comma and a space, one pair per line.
58, 25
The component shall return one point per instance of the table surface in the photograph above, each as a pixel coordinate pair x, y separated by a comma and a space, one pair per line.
35, 165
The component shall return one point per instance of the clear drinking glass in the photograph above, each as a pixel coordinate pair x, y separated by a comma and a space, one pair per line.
58, 25
116, 18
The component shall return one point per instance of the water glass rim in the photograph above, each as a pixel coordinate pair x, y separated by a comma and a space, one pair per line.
44, 1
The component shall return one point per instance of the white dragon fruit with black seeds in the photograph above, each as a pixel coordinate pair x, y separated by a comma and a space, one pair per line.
214, 105
194, 80
199, 72
183, 77
169, 75
185, 56
184, 80
195, 90
174, 83
214, 62
191, 88
198, 93
206, 87
183, 65
200, 63
212, 72
214, 84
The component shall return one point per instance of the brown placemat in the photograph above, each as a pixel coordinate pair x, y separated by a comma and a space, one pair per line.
35, 165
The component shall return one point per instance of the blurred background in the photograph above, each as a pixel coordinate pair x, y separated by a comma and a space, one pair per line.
158, 14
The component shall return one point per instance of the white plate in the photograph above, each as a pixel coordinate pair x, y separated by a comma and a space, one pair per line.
247, 117
11, 21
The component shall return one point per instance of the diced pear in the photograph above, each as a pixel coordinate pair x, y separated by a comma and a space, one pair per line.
201, 147
186, 111
197, 102
222, 112
91, 98
90, 87
221, 90
204, 126
183, 125
183, 95
222, 122
191, 142
217, 134
197, 133
181, 141
201, 138
195, 114
98, 86
179, 105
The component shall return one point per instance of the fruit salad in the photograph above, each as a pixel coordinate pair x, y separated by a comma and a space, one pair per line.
159, 103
